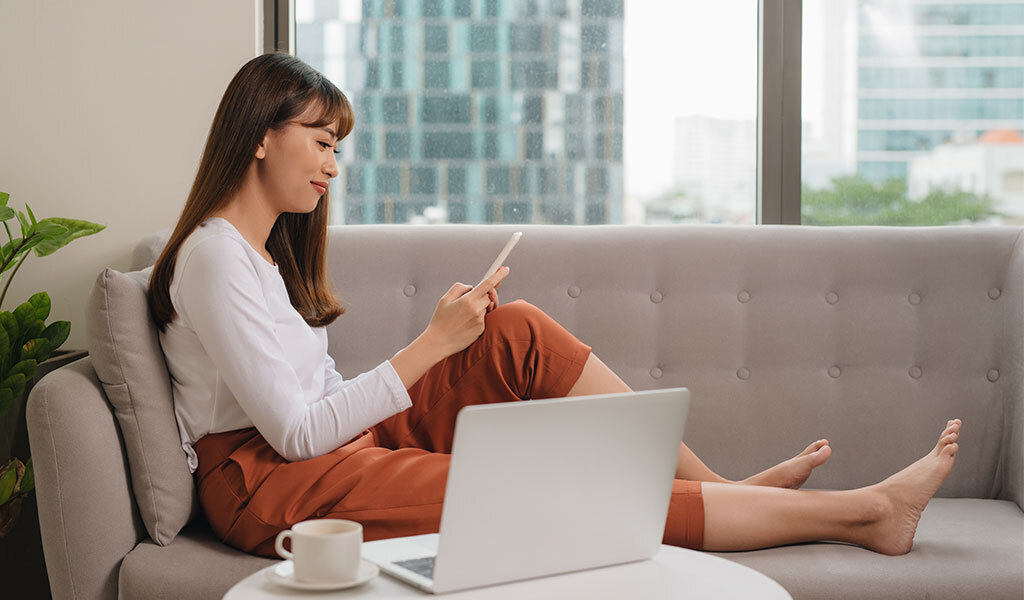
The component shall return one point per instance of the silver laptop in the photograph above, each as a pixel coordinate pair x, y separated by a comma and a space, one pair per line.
547, 486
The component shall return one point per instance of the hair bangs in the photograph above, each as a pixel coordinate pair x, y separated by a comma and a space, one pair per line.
334, 108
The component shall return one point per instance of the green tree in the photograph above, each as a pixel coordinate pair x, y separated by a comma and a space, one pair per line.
853, 200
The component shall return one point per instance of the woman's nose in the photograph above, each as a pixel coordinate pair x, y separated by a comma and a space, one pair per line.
331, 168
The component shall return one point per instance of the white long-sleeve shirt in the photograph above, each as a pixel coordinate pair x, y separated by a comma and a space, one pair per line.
240, 355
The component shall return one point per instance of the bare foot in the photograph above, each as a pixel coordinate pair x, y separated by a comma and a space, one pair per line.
795, 471
903, 496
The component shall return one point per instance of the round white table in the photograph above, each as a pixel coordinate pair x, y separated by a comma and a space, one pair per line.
673, 573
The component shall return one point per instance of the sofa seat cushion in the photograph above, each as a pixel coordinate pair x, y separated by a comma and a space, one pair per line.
196, 565
964, 548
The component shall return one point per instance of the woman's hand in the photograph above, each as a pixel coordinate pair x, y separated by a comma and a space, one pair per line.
458, 319
493, 295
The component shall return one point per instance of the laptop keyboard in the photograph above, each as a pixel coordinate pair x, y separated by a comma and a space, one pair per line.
423, 566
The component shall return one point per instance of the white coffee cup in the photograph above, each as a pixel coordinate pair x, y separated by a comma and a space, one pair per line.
323, 550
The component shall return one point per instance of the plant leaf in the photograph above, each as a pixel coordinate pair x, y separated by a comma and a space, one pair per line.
41, 300
30, 215
4, 197
34, 330
15, 384
5, 343
8, 479
26, 227
57, 332
37, 348
48, 227
28, 480
75, 229
6, 400
12, 381
26, 367
25, 313
10, 325
6, 213
9, 247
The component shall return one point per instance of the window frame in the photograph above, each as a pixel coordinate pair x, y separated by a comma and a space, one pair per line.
780, 39
279, 26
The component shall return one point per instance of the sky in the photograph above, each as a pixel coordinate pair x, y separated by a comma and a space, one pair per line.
681, 59
696, 58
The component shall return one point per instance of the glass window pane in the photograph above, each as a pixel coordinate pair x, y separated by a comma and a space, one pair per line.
423, 180
394, 109
483, 38
396, 145
435, 38
435, 74
485, 74
514, 110
690, 138
445, 109
431, 8
912, 113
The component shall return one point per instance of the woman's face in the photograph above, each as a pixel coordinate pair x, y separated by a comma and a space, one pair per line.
295, 161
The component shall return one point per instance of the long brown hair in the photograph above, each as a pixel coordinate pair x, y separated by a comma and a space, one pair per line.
266, 93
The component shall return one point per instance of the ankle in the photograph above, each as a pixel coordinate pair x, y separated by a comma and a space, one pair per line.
872, 507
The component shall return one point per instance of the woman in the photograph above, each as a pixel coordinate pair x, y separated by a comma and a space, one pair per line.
275, 435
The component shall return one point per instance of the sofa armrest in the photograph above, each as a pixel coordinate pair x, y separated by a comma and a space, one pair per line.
87, 514
1010, 471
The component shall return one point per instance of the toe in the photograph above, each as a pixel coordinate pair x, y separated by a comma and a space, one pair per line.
812, 448
820, 456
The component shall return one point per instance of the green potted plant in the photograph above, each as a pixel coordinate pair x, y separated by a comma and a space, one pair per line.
25, 340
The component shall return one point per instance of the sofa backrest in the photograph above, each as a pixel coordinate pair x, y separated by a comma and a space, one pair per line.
871, 337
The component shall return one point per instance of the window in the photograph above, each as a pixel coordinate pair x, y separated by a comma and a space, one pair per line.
583, 112
913, 113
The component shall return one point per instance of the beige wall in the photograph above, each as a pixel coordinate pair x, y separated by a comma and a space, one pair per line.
104, 110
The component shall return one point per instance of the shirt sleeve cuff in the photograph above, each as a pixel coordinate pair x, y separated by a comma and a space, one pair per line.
398, 392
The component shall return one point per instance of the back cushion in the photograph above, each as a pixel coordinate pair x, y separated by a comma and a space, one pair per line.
125, 349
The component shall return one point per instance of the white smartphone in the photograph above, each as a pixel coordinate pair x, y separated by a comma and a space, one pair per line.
512, 241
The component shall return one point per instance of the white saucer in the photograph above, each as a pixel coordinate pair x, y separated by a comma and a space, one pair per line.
284, 574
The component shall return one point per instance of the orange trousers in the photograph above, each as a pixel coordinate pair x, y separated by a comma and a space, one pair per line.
391, 478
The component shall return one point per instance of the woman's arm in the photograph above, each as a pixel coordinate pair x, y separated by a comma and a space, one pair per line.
413, 361
222, 300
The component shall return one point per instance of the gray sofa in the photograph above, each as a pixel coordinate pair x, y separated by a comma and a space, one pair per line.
870, 337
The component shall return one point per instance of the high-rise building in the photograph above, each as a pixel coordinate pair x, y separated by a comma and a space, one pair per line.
478, 111
932, 71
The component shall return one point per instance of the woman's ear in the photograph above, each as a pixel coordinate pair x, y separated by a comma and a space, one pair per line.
261, 150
